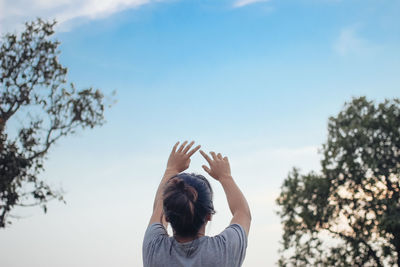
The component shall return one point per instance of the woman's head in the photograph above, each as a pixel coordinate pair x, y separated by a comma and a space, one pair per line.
187, 203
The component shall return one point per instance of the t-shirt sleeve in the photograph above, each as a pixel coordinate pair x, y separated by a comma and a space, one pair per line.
152, 236
153, 231
236, 242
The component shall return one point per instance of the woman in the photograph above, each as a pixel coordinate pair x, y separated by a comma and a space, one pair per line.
185, 201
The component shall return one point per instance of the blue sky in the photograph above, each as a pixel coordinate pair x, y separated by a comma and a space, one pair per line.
256, 80
260, 63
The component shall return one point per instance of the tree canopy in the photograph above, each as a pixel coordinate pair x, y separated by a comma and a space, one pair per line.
35, 93
348, 214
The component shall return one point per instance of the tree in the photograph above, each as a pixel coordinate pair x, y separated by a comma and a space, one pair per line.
349, 213
37, 108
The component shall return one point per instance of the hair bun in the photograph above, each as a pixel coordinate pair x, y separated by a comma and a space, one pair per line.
187, 200
191, 193
188, 190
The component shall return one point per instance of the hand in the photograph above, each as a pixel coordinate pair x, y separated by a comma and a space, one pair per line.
179, 160
219, 167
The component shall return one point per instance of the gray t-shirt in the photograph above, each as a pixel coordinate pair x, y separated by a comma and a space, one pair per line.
226, 249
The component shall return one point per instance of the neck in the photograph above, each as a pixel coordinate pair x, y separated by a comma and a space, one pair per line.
188, 239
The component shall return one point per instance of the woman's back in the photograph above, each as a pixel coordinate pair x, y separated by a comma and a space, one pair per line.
225, 249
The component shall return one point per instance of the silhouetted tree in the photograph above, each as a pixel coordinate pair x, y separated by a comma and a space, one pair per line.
37, 108
349, 213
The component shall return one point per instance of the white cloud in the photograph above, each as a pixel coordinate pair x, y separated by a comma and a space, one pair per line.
350, 42
15, 13
242, 3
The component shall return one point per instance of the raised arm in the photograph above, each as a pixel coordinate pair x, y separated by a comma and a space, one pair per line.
178, 161
221, 171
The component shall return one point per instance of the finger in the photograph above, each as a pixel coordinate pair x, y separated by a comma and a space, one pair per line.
226, 158
213, 155
219, 155
206, 156
187, 163
206, 169
175, 146
194, 150
188, 147
182, 146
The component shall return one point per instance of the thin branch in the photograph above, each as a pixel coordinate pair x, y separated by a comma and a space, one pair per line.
371, 252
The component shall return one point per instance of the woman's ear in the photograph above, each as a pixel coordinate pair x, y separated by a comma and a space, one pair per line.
165, 218
208, 217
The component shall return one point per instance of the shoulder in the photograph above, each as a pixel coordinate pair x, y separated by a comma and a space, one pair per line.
155, 232
230, 245
155, 228
233, 238
155, 241
235, 234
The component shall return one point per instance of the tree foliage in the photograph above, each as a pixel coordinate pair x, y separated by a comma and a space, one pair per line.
37, 108
349, 213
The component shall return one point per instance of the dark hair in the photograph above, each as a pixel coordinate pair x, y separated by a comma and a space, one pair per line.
187, 200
